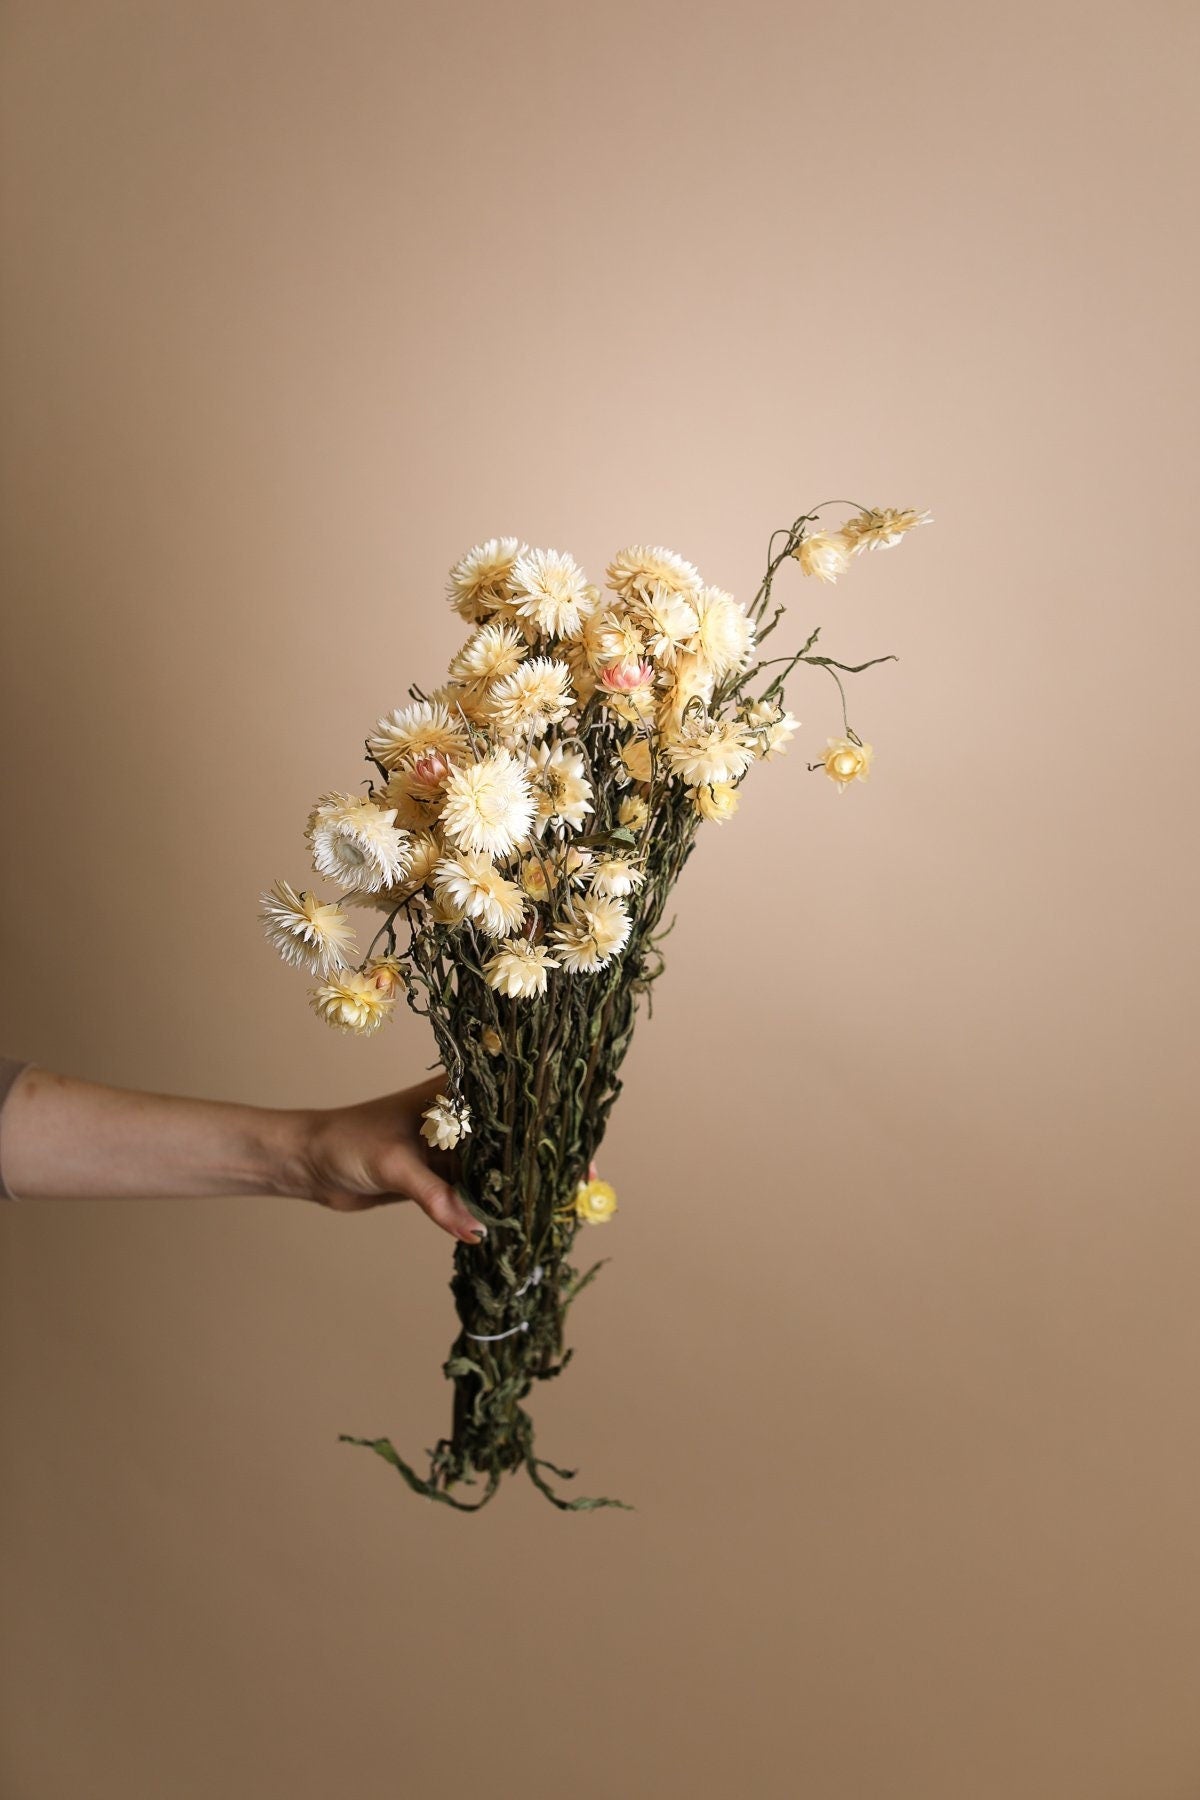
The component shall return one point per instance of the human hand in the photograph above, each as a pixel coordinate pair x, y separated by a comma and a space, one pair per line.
354, 1157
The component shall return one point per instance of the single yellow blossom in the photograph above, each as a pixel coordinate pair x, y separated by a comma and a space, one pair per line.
717, 802
595, 1202
845, 761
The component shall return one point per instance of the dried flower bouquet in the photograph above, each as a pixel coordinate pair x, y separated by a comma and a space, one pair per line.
521, 834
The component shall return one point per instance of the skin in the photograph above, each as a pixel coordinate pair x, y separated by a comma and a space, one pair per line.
75, 1140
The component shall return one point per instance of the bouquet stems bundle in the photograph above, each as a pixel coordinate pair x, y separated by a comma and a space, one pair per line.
521, 835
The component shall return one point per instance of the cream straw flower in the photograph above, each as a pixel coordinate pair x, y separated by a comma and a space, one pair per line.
534, 876
357, 843
443, 1123
307, 932
425, 728
571, 865
773, 728
494, 652
824, 554
583, 676
633, 812
491, 1040
425, 854
845, 761
426, 851
479, 581
519, 970
616, 875
638, 570
724, 632
708, 751
386, 972
526, 703
637, 759
718, 802
599, 929
414, 808
474, 887
879, 527
668, 621
612, 637
444, 911
462, 701
352, 1002
551, 590
561, 789
488, 805
691, 681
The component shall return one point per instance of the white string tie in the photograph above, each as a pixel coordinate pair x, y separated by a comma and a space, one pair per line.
496, 1337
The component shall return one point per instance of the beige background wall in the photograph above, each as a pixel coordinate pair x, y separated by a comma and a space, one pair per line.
899, 1352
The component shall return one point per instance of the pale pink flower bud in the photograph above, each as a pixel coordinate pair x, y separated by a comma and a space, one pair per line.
624, 677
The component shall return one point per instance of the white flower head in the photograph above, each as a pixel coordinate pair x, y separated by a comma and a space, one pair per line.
572, 865
710, 750
611, 635
425, 728
526, 703
307, 932
552, 592
479, 581
519, 970
488, 805
824, 554
599, 929
668, 622
444, 1123
773, 728
472, 887
616, 876
357, 843
561, 789
496, 650
724, 632
638, 570
879, 527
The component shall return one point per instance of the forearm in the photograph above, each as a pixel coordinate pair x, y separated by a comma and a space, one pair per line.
66, 1139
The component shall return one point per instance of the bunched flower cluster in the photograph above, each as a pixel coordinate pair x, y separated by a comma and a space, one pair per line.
512, 811
520, 834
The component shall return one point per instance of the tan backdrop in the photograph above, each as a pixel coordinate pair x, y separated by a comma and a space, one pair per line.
899, 1351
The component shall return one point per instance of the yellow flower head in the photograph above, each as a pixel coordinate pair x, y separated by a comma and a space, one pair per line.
718, 802
633, 812
845, 761
637, 760
595, 1202
386, 973
352, 1002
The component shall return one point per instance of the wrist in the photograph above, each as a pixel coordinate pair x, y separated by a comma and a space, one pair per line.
283, 1143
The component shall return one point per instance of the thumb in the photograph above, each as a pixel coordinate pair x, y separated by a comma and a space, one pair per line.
440, 1203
